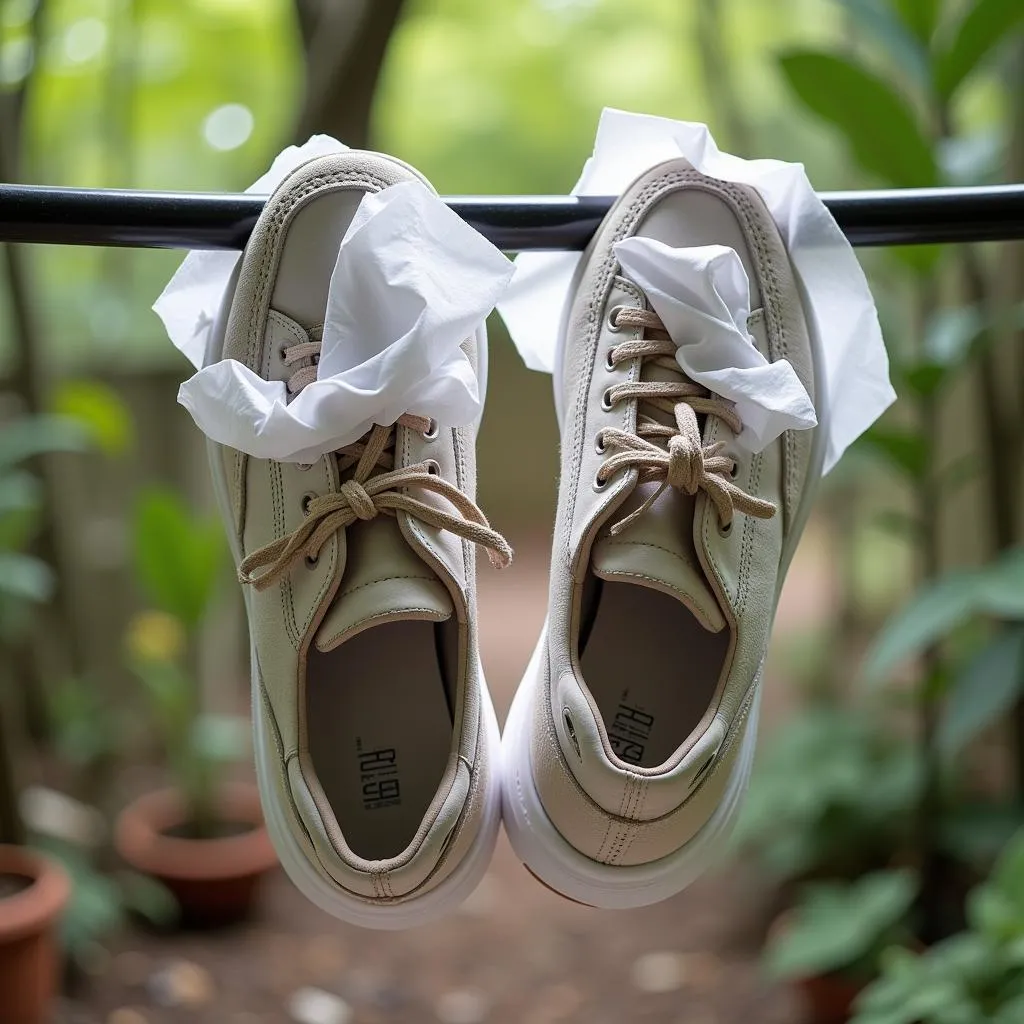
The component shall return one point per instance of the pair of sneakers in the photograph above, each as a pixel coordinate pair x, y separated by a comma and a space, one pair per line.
629, 743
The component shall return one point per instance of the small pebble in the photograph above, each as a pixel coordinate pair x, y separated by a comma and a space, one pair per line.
664, 971
461, 1006
127, 1015
315, 1006
181, 984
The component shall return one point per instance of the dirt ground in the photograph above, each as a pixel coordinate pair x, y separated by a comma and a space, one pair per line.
514, 954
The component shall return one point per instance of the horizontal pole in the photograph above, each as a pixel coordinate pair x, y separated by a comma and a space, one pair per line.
197, 220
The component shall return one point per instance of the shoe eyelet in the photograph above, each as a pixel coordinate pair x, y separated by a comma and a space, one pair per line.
609, 364
724, 531
735, 471
282, 353
613, 319
432, 432
306, 499
303, 467
433, 468
599, 484
311, 561
606, 400
599, 445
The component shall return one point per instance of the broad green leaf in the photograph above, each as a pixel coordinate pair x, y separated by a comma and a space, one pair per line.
987, 24
920, 16
147, 897
905, 49
37, 435
876, 121
837, 925
177, 558
996, 589
24, 577
984, 690
904, 449
100, 410
924, 379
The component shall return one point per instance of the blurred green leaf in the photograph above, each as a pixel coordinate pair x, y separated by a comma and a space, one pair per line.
986, 25
923, 379
976, 833
220, 739
921, 259
100, 410
903, 449
951, 333
885, 25
902, 524
996, 589
24, 577
837, 925
983, 691
920, 16
20, 491
148, 898
177, 558
878, 125
37, 435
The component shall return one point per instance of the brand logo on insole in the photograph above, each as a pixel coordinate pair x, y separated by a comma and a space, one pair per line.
378, 775
629, 732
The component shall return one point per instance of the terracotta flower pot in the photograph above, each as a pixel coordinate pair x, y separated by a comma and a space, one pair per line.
215, 881
33, 892
829, 997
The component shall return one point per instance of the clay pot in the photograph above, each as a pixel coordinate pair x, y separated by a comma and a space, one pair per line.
28, 946
828, 997
215, 881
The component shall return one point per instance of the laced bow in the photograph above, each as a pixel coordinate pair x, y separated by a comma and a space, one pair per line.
681, 460
368, 493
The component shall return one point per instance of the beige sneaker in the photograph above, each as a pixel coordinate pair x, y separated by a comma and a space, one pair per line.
629, 743
375, 738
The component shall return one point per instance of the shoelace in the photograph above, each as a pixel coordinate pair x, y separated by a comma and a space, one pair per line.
367, 494
685, 462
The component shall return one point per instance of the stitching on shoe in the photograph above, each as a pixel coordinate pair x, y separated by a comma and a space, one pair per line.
280, 214
384, 579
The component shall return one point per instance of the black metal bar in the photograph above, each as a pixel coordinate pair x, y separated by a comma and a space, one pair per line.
182, 220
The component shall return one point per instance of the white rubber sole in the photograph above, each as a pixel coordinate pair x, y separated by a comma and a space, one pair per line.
560, 866
534, 838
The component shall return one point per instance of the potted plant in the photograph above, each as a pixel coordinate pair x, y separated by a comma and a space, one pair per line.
830, 943
974, 977
203, 837
33, 887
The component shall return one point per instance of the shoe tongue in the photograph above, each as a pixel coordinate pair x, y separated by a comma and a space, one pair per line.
656, 550
384, 580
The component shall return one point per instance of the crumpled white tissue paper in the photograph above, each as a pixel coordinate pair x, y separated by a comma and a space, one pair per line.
411, 282
702, 296
855, 370
189, 303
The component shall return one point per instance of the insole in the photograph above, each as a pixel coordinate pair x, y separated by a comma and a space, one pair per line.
380, 732
652, 669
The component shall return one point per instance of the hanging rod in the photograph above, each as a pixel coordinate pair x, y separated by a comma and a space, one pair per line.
198, 220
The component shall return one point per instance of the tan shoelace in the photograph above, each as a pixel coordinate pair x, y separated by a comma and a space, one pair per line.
684, 462
367, 494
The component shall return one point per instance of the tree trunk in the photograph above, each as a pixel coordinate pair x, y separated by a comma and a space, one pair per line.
345, 43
